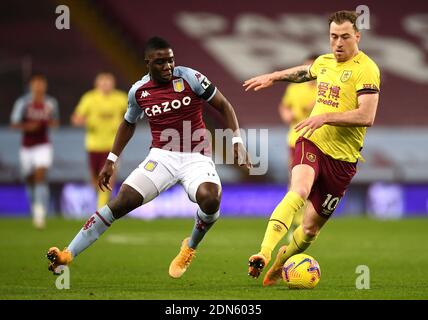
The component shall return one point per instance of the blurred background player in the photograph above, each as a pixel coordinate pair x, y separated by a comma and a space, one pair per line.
34, 113
296, 105
100, 111
331, 139
172, 99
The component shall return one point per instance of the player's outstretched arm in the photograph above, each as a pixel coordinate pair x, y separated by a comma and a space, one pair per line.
222, 105
297, 74
124, 134
363, 116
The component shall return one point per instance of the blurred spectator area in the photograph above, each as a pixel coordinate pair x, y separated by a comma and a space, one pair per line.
227, 43
70, 58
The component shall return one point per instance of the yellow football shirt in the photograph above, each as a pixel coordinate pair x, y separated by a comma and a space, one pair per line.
103, 114
300, 98
338, 87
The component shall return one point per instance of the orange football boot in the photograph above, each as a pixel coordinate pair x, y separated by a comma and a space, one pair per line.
58, 258
274, 274
182, 261
256, 263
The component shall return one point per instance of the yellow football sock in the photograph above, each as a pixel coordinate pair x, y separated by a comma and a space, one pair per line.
298, 216
299, 243
103, 198
297, 221
280, 221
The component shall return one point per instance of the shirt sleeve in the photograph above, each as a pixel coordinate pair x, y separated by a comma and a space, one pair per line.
199, 83
314, 68
18, 111
368, 81
55, 110
83, 107
134, 112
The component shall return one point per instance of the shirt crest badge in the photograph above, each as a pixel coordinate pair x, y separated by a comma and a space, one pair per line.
178, 85
311, 157
346, 75
150, 165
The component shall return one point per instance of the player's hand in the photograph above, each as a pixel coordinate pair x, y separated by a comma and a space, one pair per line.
309, 125
241, 156
105, 175
259, 82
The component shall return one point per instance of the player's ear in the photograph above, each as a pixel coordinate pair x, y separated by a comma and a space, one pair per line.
358, 36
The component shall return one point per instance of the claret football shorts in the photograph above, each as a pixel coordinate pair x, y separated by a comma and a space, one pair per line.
332, 177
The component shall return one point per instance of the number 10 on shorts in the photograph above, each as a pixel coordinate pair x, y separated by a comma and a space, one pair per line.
330, 204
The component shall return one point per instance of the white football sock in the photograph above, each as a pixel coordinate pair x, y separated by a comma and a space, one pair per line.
91, 231
203, 223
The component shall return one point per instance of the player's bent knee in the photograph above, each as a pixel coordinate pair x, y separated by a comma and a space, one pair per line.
127, 200
210, 205
208, 197
302, 191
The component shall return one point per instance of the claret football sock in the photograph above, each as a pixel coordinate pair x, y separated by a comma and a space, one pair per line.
91, 231
280, 221
203, 222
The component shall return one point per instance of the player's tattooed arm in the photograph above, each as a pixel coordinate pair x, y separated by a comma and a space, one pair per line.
297, 74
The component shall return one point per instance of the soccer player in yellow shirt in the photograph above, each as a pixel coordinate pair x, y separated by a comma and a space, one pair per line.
296, 105
330, 143
100, 111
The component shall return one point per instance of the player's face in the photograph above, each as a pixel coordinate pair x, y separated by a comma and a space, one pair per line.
105, 83
38, 86
343, 41
161, 64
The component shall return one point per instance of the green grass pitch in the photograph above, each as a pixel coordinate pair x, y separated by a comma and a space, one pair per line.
130, 261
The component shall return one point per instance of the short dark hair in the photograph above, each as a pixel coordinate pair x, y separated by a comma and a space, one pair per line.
156, 43
340, 17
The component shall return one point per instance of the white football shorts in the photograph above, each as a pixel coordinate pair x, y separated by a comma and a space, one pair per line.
166, 168
38, 156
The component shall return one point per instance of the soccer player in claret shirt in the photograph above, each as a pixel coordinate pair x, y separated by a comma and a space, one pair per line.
331, 139
33, 114
172, 99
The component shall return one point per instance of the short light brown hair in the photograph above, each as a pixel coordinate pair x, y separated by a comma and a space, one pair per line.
340, 17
